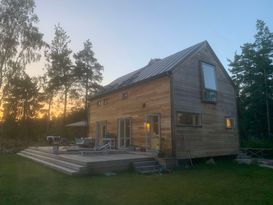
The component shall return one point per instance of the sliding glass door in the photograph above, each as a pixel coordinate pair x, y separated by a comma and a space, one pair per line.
124, 132
101, 130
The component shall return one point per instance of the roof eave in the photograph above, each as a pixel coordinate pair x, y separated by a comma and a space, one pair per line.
168, 73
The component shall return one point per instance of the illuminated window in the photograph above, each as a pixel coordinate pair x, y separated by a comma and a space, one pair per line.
209, 93
188, 119
99, 103
229, 123
124, 96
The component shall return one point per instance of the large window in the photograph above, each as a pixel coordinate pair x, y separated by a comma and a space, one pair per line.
188, 119
209, 93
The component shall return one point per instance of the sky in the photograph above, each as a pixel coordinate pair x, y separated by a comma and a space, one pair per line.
126, 34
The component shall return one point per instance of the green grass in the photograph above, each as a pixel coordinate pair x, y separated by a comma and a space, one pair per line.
25, 182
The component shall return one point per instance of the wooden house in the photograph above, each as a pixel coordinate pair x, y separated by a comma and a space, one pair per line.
181, 105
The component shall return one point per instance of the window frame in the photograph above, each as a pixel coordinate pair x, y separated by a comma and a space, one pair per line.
99, 103
124, 95
204, 90
105, 101
233, 123
185, 125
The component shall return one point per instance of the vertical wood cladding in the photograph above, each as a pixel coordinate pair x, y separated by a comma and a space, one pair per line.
146, 98
212, 138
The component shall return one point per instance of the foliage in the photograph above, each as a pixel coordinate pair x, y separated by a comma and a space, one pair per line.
20, 39
25, 102
59, 68
252, 73
22, 99
87, 70
257, 142
224, 183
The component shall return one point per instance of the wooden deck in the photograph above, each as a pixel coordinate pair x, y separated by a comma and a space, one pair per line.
93, 163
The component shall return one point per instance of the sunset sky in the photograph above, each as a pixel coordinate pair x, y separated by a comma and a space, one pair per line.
126, 34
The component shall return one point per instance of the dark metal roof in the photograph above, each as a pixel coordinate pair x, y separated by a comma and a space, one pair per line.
155, 68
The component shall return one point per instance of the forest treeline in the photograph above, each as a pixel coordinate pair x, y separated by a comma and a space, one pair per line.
26, 102
252, 72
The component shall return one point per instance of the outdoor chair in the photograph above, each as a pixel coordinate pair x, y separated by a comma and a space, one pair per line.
105, 147
84, 142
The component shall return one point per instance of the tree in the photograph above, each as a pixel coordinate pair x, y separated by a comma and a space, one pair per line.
22, 101
252, 72
87, 71
59, 68
20, 39
49, 91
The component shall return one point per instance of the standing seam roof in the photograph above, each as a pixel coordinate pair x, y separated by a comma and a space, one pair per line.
149, 71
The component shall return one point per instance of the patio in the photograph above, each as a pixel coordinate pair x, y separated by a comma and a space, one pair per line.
74, 160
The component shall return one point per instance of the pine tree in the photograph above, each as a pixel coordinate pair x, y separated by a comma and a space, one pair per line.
252, 72
59, 68
87, 71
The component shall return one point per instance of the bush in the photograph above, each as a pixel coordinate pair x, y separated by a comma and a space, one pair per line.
257, 142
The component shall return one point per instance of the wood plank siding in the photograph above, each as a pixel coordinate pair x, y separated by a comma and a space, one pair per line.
212, 138
150, 97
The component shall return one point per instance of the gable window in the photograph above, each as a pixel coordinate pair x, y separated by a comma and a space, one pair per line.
229, 123
188, 119
105, 101
209, 92
124, 96
99, 103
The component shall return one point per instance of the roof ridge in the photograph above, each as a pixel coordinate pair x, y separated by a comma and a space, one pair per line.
151, 70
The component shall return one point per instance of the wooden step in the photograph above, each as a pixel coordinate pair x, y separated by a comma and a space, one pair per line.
150, 171
51, 165
55, 156
55, 160
266, 166
147, 166
145, 163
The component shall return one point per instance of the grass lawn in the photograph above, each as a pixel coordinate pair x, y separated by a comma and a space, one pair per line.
25, 182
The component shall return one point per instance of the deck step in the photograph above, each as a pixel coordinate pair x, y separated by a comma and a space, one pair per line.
55, 160
145, 163
147, 166
51, 165
74, 164
55, 156
266, 166
150, 171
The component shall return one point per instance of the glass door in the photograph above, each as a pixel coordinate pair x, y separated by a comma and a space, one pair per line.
101, 130
152, 126
124, 132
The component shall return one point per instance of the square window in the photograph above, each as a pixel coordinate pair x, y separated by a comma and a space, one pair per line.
229, 123
105, 101
209, 95
188, 119
124, 96
99, 103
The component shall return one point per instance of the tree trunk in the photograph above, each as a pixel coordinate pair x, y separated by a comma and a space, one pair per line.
48, 115
267, 105
64, 113
86, 95
86, 107
65, 105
